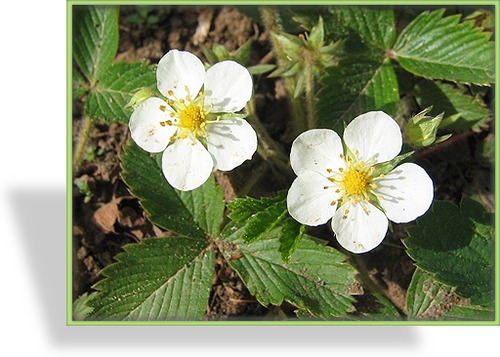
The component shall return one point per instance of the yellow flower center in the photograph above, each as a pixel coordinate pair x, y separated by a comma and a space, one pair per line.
356, 182
192, 118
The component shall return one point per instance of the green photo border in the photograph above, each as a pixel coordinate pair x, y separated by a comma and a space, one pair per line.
69, 174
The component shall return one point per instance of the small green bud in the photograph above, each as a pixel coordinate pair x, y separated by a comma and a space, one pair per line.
421, 129
140, 96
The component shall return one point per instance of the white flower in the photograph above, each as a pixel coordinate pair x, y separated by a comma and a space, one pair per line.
188, 125
345, 186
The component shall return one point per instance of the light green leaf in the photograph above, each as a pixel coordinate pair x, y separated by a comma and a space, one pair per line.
442, 48
157, 279
95, 39
80, 308
461, 111
107, 100
456, 246
316, 279
193, 213
355, 86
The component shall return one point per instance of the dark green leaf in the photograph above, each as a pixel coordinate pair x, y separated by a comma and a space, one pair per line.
315, 279
95, 39
192, 213
442, 48
375, 27
456, 246
262, 216
425, 296
157, 279
461, 111
355, 86
107, 100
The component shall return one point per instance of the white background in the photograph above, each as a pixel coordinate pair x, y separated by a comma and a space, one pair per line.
33, 230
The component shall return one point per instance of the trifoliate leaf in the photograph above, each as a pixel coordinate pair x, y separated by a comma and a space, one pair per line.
443, 48
108, 99
193, 213
461, 111
95, 39
316, 279
157, 279
456, 246
355, 86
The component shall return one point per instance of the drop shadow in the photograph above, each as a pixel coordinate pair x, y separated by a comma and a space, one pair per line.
44, 242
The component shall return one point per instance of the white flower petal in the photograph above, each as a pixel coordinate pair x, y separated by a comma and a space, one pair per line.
375, 135
309, 202
407, 193
317, 150
178, 70
186, 164
228, 87
145, 127
359, 231
231, 142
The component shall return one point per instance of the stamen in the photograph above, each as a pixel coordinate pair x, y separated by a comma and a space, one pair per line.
163, 108
349, 158
341, 169
357, 152
325, 187
169, 122
333, 203
346, 212
374, 185
341, 156
381, 197
329, 171
182, 101
163, 123
172, 114
170, 102
331, 179
362, 164
337, 190
170, 92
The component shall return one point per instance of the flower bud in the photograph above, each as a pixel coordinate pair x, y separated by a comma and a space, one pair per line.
421, 129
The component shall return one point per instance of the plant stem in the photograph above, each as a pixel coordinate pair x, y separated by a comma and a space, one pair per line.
311, 120
272, 24
81, 143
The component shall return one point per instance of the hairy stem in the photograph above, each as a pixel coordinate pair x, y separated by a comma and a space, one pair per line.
81, 143
311, 121
272, 24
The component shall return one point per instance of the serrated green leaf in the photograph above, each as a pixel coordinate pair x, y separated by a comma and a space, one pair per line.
262, 216
467, 112
95, 39
355, 86
192, 213
456, 246
79, 85
425, 295
469, 313
316, 279
157, 279
80, 308
107, 100
442, 48
375, 27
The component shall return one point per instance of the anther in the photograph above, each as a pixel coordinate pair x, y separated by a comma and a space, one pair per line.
181, 101
329, 171
346, 212
163, 123
337, 190
341, 169
325, 187
357, 152
172, 115
374, 185
331, 179
170, 92
163, 108
169, 122
341, 156
362, 164
333, 203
